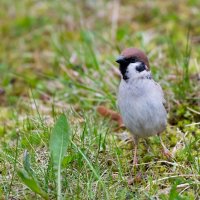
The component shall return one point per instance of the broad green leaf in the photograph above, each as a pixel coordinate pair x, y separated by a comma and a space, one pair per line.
59, 140
31, 183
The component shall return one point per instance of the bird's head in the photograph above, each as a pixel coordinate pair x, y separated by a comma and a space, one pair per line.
133, 63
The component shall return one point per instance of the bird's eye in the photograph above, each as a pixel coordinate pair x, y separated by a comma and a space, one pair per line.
132, 60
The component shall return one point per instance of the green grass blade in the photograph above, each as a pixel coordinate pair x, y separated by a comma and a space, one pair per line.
97, 176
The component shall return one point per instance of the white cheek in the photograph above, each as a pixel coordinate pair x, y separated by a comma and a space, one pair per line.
131, 70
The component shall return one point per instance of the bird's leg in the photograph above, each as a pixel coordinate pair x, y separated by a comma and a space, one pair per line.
166, 152
135, 159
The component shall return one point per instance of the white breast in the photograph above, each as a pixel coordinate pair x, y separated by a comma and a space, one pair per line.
140, 103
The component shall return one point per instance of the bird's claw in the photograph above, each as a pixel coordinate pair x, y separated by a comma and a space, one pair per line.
167, 153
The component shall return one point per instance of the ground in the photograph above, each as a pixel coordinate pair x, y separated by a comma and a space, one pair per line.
59, 57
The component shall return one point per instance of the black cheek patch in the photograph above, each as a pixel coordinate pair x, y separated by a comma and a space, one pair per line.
123, 70
141, 67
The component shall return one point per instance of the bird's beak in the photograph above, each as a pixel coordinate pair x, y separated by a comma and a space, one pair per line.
120, 59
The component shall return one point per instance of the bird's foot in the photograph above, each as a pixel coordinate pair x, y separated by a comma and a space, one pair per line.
167, 153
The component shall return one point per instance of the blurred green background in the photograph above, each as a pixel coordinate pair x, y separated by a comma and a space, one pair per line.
59, 56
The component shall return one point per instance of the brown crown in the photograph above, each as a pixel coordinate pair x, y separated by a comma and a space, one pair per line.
134, 52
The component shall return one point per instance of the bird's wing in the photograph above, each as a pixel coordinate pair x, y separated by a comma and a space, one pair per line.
161, 92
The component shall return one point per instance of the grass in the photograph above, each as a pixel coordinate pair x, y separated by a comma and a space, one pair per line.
58, 57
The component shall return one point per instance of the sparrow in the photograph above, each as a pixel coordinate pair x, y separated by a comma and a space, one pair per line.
140, 99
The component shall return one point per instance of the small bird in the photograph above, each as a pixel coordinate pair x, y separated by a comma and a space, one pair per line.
140, 98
